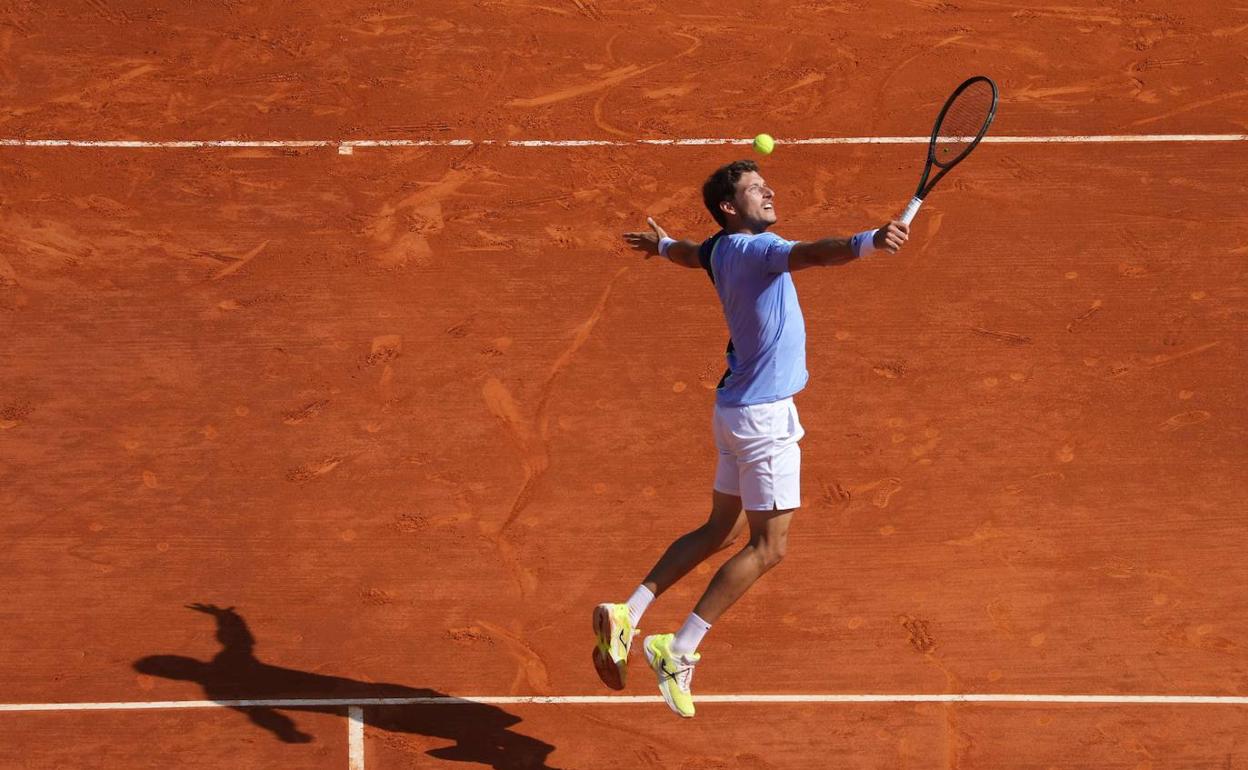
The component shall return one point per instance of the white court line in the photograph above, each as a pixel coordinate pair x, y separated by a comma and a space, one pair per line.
355, 738
177, 144
620, 700
355, 710
348, 146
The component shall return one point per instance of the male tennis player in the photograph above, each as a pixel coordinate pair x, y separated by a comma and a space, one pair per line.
755, 425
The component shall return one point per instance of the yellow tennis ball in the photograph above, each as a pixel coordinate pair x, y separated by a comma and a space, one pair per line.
764, 144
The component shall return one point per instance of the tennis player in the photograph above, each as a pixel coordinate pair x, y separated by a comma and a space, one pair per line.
755, 423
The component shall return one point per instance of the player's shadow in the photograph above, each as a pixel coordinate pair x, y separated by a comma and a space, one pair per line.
482, 733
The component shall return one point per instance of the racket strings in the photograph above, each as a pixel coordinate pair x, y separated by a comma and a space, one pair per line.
963, 122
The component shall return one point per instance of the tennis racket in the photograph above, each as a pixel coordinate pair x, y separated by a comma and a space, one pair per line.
962, 122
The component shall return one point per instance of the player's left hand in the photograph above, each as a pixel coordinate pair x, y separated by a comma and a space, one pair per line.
647, 243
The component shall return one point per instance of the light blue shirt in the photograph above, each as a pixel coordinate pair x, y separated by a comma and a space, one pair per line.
767, 352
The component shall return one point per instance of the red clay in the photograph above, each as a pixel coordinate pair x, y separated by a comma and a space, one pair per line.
414, 413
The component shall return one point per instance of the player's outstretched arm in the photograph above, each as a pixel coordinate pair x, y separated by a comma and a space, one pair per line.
837, 251
683, 253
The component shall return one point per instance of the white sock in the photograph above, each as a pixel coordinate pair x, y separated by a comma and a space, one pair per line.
690, 635
637, 604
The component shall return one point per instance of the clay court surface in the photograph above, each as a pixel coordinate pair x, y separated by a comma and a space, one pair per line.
413, 411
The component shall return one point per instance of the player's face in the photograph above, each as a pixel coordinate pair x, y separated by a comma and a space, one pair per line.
755, 201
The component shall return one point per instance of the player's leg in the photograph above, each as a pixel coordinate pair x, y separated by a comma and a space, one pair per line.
769, 538
725, 524
764, 441
673, 656
769, 461
615, 625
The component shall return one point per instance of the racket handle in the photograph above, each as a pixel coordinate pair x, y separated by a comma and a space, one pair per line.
912, 208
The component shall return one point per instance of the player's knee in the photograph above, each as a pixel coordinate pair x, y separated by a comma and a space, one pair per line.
772, 551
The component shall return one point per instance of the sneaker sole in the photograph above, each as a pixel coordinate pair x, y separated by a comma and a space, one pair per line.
611, 673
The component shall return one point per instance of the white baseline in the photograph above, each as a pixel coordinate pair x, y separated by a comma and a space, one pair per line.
348, 146
623, 700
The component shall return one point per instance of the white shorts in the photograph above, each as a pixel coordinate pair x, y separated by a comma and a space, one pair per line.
759, 459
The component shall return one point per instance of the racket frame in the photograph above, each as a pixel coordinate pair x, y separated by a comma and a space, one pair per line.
925, 186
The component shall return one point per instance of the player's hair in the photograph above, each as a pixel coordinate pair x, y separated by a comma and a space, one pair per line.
722, 185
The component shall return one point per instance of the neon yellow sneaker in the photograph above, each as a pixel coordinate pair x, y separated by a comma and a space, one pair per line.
615, 634
675, 672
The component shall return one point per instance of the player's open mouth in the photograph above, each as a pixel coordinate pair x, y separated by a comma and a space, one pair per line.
768, 207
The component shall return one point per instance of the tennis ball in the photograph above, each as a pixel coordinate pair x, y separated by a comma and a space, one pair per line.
764, 144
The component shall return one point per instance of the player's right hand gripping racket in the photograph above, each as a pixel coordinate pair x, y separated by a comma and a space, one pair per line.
960, 125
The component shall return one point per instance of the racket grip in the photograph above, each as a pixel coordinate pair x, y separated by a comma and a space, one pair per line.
912, 208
